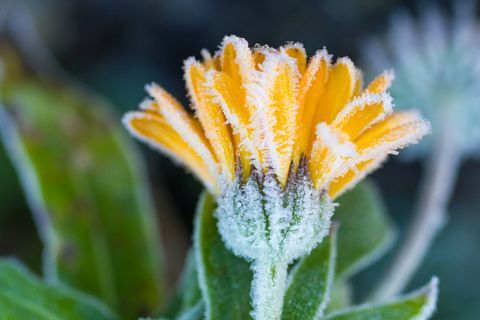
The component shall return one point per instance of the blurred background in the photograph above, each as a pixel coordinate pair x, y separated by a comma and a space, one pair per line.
114, 47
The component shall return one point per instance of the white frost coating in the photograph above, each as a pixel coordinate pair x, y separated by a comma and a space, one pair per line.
387, 144
341, 149
268, 288
360, 175
263, 120
272, 226
362, 102
126, 120
243, 56
335, 140
183, 125
430, 291
314, 65
260, 219
351, 69
238, 128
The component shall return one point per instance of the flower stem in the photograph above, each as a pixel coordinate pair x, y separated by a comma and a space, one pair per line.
430, 214
268, 288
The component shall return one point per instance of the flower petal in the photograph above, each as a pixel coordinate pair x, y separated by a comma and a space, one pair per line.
297, 52
363, 112
157, 132
187, 127
229, 97
312, 85
211, 118
338, 91
330, 155
395, 132
381, 83
275, 95
353, 176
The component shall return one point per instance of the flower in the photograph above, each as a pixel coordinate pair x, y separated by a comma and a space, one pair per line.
437, 65
275, 138
266, 109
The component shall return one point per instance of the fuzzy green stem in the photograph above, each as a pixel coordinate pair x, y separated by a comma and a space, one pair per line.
268, 288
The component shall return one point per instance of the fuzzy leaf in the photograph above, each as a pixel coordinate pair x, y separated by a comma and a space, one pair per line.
187, 294
224, 278
310, 282
419, 305
87, 193
340, 296
24, 296
365, 231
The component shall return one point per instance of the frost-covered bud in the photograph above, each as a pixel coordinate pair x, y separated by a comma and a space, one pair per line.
260, 219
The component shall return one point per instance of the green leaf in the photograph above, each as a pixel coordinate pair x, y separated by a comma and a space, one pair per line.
365, 231
419, 305
310, 282
87, 192
340, 296
195, 312
224, 278
24, 296
188, 292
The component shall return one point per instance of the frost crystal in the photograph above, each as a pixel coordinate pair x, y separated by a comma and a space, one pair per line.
260, 219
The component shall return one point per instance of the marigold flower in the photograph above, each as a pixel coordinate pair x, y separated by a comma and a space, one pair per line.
265, 109
275, 137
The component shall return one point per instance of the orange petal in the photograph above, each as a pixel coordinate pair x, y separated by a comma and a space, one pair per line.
211, 118
363, 112
331, 152
353, 176
395, 132
381, 83
338, 91
187, 127
229, 97
155, 131
208, 61
277, 92
311, 88
297, 52
358, 82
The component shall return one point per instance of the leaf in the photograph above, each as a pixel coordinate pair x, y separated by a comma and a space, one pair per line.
224, 278
24, 296
340, 296
195, 312
310, 282
365, 231
87, 193
419, 305
187, 294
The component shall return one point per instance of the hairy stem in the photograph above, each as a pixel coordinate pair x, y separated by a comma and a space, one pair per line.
430, 214
268, 288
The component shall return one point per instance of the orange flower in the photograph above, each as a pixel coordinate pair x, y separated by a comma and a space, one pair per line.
267, 109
